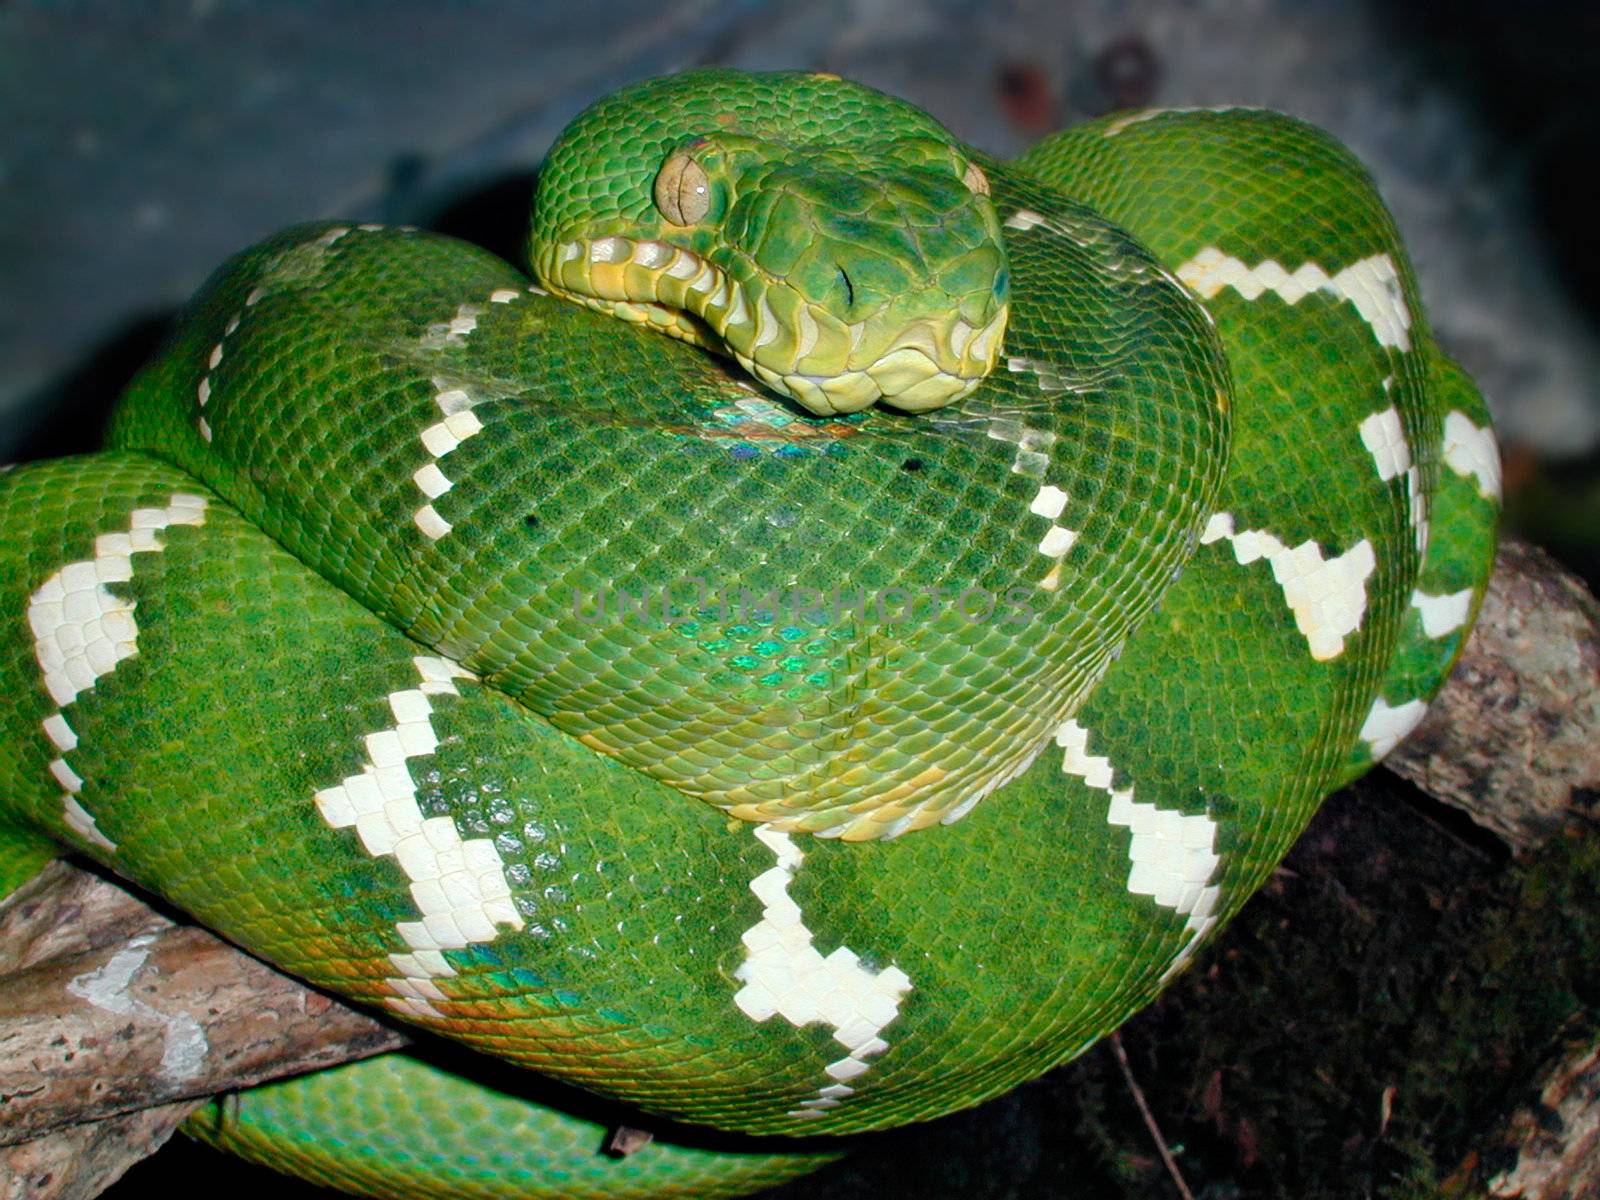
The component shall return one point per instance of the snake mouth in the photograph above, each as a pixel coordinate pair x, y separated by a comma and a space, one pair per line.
795, 347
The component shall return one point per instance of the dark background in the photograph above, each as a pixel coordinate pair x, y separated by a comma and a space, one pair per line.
143, 143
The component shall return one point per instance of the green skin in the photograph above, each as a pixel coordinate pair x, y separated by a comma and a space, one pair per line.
822, 246
281, 631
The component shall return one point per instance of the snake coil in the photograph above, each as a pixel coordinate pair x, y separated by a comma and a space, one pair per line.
822, 733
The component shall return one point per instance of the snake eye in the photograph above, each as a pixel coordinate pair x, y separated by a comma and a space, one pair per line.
683, 193
977, 182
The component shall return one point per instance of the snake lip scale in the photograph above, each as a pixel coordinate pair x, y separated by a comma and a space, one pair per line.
299, 650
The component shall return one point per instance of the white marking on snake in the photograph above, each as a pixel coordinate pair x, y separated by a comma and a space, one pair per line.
433, 482
1328, 596
459, 886
1033, 460
785, 975
203, 391
1444, 614
1025, 219
1049, 502
183, 1047
1149, 114
1470, 450
1419, 507
453, 332
428, 520
1385, 440
81, 632
1371, 284
440, 439
1052, 378
1173, 855
1124, 266
1057, 541
1386, 726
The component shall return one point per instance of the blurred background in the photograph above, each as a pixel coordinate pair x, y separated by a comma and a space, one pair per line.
142, 143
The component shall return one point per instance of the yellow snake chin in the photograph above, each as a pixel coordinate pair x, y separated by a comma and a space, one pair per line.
796, 348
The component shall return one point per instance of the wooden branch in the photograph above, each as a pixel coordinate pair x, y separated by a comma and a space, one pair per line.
1514, 738
81, 1161
1556, 1140
107, 1007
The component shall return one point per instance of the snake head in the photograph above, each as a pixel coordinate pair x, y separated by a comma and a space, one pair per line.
837, 243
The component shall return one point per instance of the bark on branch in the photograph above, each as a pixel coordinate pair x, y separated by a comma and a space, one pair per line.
1555, 1139
114, 1021
1514, 737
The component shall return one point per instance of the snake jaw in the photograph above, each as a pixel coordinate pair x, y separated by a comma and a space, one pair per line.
907, 375
793, 346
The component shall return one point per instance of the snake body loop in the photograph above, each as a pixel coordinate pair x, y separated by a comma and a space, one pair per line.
486, 658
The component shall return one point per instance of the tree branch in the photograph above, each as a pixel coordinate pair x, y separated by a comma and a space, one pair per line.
1514, 738
83, 1160
115, 1023
1555, 1140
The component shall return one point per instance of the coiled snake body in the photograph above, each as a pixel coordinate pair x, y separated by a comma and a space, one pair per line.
789, 764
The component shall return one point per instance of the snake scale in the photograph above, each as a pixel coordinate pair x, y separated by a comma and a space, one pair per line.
825, 653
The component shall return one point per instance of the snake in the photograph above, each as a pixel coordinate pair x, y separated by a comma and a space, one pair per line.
824, 648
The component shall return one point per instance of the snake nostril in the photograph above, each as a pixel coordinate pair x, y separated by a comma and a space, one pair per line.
849, 289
